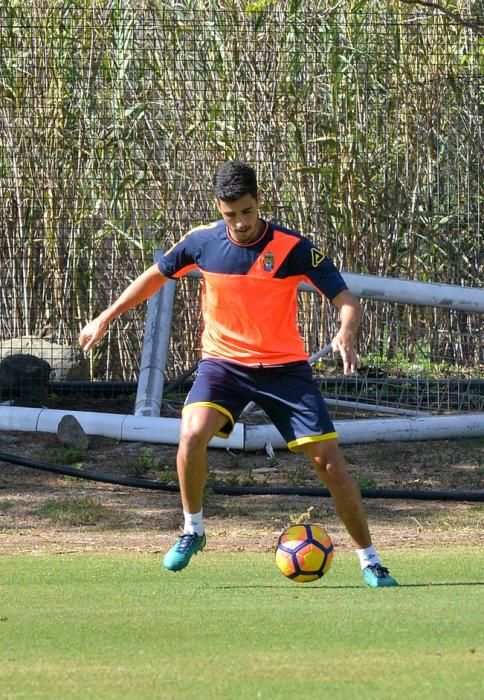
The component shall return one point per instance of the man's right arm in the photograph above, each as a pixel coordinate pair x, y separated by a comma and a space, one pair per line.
149, 282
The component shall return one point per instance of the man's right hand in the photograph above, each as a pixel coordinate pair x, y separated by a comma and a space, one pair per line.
149, 282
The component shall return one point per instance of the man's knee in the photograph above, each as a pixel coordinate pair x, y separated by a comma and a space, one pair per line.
328, 460
198, 427
193, 437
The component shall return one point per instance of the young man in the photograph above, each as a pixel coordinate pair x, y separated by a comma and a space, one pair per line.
252, 351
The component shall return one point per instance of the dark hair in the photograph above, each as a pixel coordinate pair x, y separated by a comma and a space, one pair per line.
233, 180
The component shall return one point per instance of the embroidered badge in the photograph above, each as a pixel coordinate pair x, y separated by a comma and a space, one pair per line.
268, 262
317, 257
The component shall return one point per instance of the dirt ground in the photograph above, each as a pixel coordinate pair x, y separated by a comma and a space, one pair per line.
41, 512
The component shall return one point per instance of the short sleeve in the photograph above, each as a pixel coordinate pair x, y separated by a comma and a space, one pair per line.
318, 268
178, 260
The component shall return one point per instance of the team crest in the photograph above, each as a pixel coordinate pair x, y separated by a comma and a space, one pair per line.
268, 262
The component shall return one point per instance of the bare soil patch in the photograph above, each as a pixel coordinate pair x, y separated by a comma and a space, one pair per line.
43, 513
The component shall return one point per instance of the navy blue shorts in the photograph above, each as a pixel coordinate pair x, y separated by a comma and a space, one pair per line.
287, 393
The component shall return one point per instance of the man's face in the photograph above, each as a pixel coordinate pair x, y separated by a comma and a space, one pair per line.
242, 218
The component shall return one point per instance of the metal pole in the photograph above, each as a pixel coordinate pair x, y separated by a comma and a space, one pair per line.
402, 291
155, 351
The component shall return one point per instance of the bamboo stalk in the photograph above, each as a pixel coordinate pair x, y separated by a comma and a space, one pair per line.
363, 122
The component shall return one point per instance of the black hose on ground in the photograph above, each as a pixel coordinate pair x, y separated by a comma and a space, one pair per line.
226, 490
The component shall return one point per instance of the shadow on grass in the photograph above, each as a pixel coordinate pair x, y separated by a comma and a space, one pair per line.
342, 587
443, 583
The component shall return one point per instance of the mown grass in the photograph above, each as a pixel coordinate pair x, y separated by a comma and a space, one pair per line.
231, 626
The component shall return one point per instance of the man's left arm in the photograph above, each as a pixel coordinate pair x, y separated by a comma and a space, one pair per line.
344, 342
320, 271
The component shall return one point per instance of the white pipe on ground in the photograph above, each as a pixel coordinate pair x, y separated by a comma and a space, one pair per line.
113, 425
382, 430
244, 437
360, 406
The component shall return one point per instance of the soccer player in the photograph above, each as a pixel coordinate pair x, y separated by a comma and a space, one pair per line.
252, 351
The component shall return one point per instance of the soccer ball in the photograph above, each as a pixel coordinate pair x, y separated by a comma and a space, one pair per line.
304, 552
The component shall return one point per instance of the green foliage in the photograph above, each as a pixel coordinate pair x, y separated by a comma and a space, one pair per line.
6, 505
259, 5
298, 475
420, 366
364, 481
148, 463
243, 478
302, 518
67, 455
73, 511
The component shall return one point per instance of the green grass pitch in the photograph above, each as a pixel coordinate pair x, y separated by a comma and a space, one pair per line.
232, 627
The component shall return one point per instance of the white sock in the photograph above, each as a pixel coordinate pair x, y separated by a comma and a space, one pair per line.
368, 557
194, 523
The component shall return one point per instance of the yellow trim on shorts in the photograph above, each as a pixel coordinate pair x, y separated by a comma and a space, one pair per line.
298, 444
218, 408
